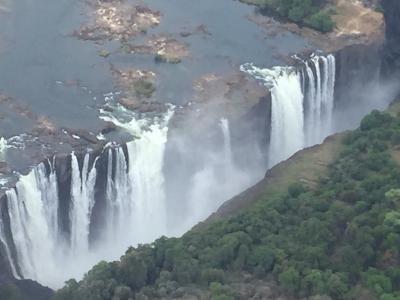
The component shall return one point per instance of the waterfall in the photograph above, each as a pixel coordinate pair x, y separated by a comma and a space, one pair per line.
3, 146
4, 243
302, 104
135, 194
33, 210
136, 191
122, 201
82, 202
228, 156
134, 208
319, 97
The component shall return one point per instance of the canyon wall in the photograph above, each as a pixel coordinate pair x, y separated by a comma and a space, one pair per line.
391, 55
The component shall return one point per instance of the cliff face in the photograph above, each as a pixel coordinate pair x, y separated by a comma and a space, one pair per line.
391, 63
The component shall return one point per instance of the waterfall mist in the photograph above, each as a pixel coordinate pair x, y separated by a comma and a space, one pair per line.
69, 213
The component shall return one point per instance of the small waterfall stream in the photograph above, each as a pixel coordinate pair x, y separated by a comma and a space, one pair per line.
3, 146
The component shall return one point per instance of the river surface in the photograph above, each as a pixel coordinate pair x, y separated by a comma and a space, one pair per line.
55, 75
160, 183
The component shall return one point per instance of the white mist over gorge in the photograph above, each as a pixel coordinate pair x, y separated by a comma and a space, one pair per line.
69, 213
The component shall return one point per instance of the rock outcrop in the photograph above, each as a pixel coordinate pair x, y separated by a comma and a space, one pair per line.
391, 63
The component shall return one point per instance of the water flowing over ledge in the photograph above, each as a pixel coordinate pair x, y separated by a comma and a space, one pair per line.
70, 212
48, 217
3, 146
302, 101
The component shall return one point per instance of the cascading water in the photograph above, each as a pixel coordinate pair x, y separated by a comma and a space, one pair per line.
228, 156
82, 202
319, 97
33, 209
136, 191
134, 210
3, 146
4, 243
302, 104
131, 185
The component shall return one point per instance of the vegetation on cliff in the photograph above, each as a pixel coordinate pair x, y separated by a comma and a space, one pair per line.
340, 238
313, 13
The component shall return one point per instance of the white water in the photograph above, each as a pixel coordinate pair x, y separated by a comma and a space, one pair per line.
135, 196
219, 180
135, 208
3, 146
319, 98
136, 193
298, 119
227, 144
7, 250
82, 202
33, 214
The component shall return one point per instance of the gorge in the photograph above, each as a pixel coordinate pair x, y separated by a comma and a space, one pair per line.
167, 170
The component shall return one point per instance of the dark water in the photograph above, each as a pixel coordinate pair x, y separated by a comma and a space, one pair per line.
37, 52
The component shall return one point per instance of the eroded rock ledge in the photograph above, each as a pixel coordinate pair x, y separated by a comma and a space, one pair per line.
116, 20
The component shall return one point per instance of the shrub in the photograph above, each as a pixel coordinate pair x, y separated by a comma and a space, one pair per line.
321, 21
144, 88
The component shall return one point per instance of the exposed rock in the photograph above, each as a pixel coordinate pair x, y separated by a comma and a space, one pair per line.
391, 62
163, 47
44, 126
356, 24
109, 127
131, 103
137, 88
126, 79
117, 20
84, 134
142, 106
201, 29
356, 21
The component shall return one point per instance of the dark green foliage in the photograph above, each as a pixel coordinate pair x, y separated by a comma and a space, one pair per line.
143, 88
340, 239
321, 21
10, 292
312, 13
220, 292
296, 189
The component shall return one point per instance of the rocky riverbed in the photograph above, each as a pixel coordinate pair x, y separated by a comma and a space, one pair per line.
141, 55
61, 70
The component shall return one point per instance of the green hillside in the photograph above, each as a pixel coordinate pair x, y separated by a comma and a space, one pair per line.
326, 224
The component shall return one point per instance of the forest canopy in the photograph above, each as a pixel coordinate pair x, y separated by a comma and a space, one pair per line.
316, 14
340, 239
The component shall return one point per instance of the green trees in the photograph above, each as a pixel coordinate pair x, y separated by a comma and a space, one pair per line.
340, 239
133, 270
321, 21
11, 292
311, 13
290, 279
